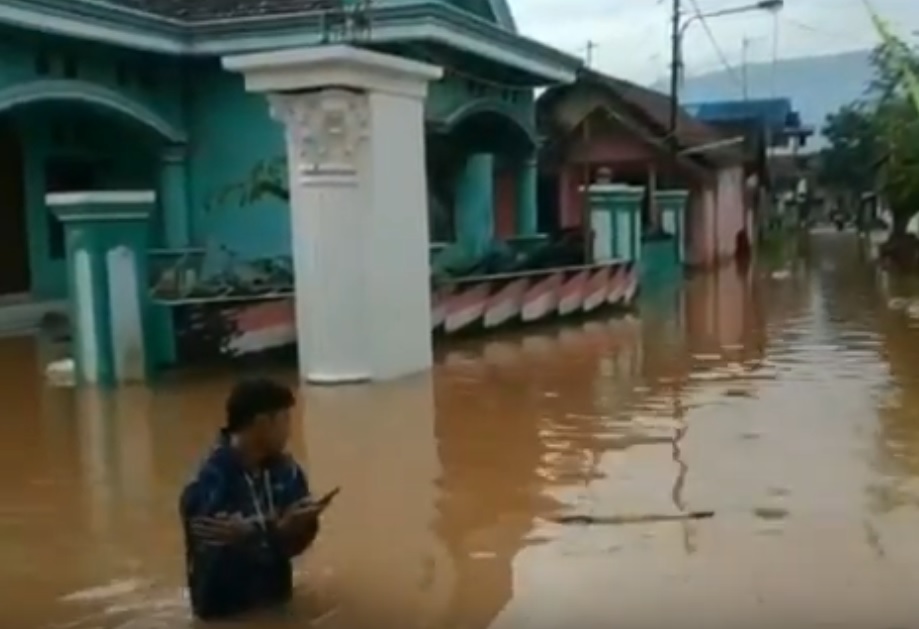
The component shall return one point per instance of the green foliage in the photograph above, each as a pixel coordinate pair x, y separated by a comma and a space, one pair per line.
874, 143
854, 149
268, 178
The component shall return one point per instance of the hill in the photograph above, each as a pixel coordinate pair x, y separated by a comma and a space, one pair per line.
817, 86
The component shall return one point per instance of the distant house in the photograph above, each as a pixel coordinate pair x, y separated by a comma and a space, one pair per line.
601, 126
774, 136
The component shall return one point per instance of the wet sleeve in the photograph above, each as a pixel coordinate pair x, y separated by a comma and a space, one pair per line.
213, 571
296, 489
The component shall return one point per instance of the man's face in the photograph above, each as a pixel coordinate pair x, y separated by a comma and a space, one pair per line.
275, 431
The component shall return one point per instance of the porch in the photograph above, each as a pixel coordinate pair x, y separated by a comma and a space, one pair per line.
609, 132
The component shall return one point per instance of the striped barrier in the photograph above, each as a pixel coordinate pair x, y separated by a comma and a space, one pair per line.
490, 302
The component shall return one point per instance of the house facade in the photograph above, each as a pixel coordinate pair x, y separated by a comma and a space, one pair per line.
605, 128
131, 95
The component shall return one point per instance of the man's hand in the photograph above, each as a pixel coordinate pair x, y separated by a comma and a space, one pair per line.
222, 529
300, 516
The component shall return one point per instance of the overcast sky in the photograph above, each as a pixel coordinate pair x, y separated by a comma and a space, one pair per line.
632, 36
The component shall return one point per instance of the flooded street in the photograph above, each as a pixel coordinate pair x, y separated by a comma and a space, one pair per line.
788, 405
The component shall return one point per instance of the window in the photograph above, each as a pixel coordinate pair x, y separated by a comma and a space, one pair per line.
65, 175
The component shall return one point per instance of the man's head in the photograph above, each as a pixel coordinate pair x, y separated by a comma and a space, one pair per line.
258, 412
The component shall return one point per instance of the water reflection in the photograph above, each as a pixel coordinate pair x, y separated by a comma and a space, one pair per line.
784, 402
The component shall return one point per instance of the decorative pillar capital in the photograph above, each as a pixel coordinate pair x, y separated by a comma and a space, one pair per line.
324, 129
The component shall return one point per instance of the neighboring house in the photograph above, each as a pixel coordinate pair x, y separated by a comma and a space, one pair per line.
773, 133
603, 127
130, 94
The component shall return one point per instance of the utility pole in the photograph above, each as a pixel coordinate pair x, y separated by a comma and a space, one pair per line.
743, 68
676, 64
589, 56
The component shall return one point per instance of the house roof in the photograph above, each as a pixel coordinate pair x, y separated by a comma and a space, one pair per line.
775, 114
198, 10
231, 27
206, 10
652, 110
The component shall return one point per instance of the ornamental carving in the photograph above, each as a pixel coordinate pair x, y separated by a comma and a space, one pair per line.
324, 129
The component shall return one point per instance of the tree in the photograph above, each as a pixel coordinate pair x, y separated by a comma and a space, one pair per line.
874, 143
848, 165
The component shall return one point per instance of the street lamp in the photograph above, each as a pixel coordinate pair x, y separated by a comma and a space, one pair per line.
679, 30
763, 5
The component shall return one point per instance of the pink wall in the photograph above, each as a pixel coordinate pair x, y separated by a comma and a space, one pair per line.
609, 148
717, 212
570, 196
732, 211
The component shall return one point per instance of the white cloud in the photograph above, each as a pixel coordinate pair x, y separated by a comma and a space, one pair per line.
632, 36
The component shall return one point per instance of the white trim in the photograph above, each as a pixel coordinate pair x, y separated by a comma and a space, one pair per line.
344, 378
101, 197
294, 59
343, 66
86, 318
612, 187
104, 216
125, 320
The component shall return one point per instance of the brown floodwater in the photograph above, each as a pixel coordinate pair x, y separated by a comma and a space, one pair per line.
533, 480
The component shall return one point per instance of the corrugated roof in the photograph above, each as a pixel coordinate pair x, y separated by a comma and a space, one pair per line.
774, 113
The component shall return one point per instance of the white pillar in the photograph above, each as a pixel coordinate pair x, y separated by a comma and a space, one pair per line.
354, 123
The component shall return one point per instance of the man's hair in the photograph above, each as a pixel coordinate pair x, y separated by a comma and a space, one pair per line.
253, 397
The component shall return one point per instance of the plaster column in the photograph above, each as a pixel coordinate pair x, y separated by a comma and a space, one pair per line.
107, 239
174, 197
671, 205
527, 204
354, 128
616, 217
475, 203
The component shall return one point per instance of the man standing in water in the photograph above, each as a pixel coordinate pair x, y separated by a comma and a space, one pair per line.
248, 511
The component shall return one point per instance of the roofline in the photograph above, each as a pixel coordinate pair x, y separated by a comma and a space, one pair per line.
697, 164
412, 20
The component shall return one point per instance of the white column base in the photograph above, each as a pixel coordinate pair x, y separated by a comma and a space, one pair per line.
354, 123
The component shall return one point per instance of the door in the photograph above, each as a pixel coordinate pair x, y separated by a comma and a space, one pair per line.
15, 277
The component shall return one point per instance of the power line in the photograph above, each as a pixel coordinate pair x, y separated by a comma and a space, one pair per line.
711, 38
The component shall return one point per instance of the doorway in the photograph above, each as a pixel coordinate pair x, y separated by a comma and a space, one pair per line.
15, 274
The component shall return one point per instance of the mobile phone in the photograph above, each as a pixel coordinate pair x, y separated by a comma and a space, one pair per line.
327, 499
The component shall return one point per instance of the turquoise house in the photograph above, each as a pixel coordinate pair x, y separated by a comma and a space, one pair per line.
108, 95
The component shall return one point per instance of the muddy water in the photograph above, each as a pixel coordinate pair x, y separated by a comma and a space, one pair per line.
786, 404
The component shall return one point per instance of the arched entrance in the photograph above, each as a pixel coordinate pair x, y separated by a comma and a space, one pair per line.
59, 136
482, 175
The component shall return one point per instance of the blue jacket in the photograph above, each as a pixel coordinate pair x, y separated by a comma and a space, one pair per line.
227, 580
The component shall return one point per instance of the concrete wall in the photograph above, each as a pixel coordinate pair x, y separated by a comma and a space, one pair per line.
717, 212
232, 132
732, 213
